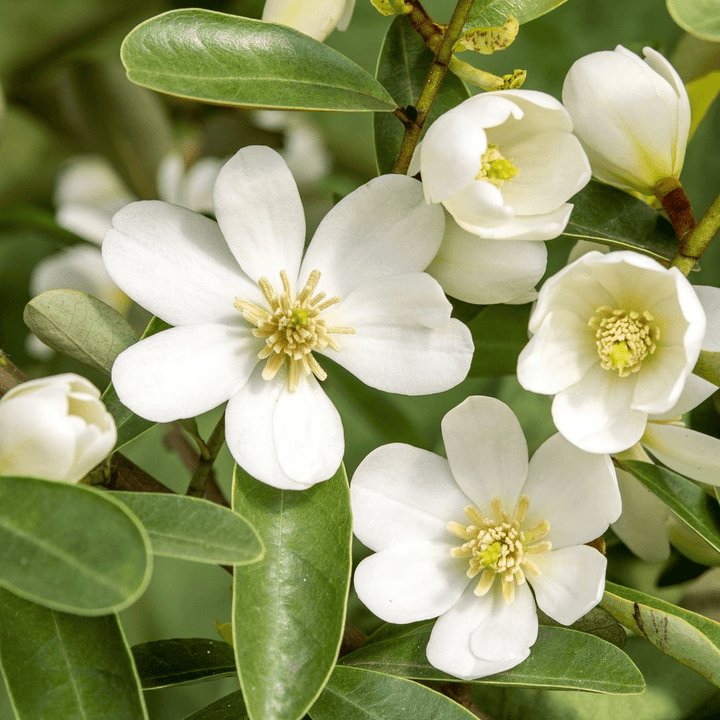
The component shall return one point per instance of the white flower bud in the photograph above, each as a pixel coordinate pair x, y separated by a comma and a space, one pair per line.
631, 115
55, 427
316, 18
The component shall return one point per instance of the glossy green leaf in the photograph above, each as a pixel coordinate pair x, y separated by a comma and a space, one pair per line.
129, 425
181, 661
233, 60
402, 68
80, 326
230, 707
354, 694
499, 333
690, 638
708, 366
194, 529
65, 667
561, 658
598, 622
686, 499
702, 93
70, 547
493, 13
610, 216
698, 17
289, 609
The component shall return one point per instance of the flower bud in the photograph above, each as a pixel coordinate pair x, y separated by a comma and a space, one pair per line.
632, 116
55, 427
316, 18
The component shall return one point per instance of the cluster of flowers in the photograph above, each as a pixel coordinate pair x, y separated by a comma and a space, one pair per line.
614, 338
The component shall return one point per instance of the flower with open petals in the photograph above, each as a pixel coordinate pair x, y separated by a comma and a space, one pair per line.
615, 338
253, 315
458, 538
316, 18
504, 165
632, 116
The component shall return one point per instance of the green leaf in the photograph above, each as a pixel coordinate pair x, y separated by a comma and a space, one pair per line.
708, 366
493, 13
182, 661
64, 666
698, 17
499, 333
230, 707
234, 60
560, 658
80, 326
610, 216
194, 529
402, 68
353, 694
129, 425
289, 609
690, 638
70, 547
702, 92
686, 499
597, 622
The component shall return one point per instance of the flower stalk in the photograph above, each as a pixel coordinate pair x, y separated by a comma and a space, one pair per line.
697, 241
196, 488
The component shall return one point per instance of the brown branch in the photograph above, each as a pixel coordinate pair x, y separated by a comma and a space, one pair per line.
10, 374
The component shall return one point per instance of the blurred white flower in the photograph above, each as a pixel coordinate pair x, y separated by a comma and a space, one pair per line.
615, 338
504, 165
631, 115
55, 427
457, 538
250, 312
316, 18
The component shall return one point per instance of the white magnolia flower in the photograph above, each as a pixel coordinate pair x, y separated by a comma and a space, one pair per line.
457, 538
504, 165
316, 18
631, 115
615, 338
251, 312
55, 427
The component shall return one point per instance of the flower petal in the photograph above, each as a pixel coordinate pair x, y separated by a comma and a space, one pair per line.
571, 582
185, 371
523, 227
575, 491
404, 339
260, 213
540, 113
175, 263
400, 493
695, 391
365, 236
481, 636
479, 203
486, 450
410, 582
710, 300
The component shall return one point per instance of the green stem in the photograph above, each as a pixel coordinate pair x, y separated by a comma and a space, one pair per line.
205, 463
432, 85
698, 240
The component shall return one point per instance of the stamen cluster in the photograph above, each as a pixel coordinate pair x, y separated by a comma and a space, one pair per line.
494, 168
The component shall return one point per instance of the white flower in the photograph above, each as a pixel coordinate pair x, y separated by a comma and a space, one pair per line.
316, 18
56, 427
504, 165
485, 514
632, 116
251, 313
615, 338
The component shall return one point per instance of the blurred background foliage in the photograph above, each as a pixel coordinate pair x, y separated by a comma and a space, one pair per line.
66, 94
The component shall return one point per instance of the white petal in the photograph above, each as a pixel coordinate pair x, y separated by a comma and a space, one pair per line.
185, 371
571, 582
404, 340
558, 356
695, 391
481, 636
400, 493
365, 236
89, 223
662, 378
524, 227
540, 113
575, 491
710, 299
198, 185
484, 272
260, 213
175, 263
169, 178
410, 582
479, 203
486, 450
595, 414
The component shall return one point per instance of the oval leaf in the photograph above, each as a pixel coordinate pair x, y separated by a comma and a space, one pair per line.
491, 13
69, 547
58, 665
289, 609
230, 707
698, 17
234, 60
708, 366
402, 68
80, 326
194, 529
560, 658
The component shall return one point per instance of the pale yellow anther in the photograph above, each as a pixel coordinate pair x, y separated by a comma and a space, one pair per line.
494, 168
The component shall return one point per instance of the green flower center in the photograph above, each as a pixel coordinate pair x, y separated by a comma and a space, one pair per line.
494, 168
